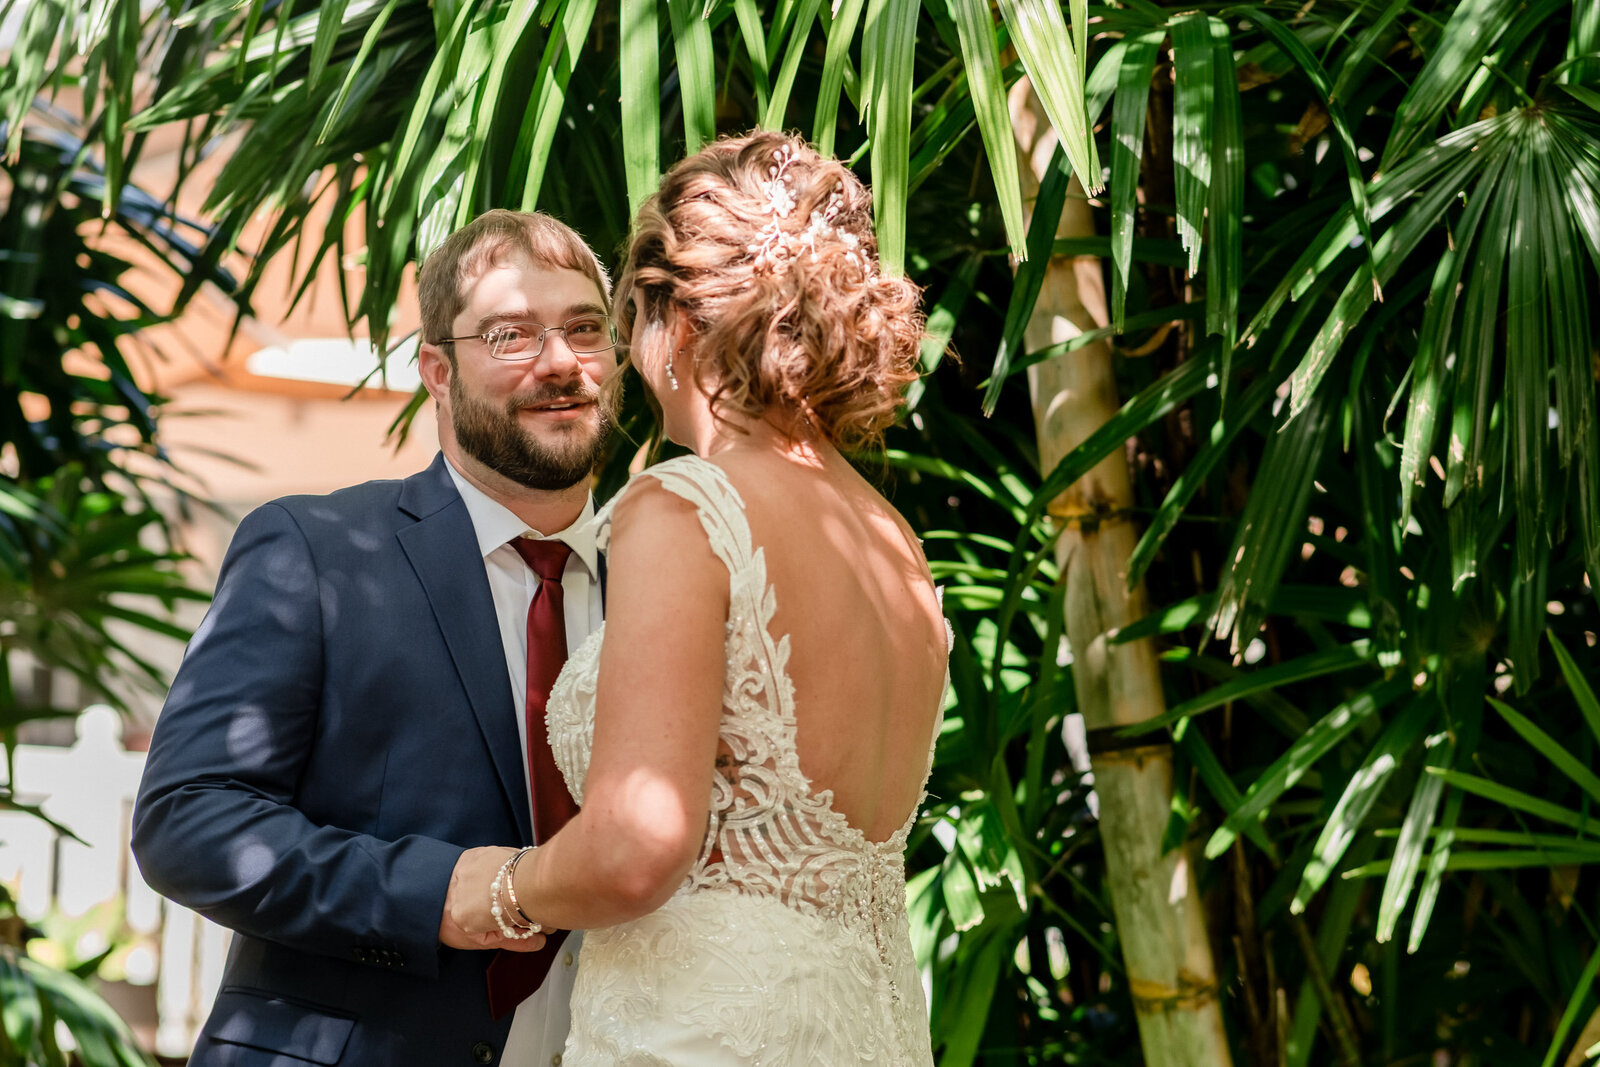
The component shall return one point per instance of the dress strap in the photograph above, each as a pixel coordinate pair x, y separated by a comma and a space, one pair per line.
717, 503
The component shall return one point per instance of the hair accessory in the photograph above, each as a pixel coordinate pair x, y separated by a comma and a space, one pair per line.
776, 248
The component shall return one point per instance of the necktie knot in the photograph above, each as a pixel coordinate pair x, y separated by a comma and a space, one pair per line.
547, 559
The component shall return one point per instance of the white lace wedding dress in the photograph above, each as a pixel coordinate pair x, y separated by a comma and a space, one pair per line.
788, 942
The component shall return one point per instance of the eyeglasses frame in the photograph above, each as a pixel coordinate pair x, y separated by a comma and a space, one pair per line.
539, 347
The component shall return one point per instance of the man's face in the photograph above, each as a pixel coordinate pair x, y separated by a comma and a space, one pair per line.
538, 421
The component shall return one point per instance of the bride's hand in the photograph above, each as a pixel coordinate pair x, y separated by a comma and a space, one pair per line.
467, 921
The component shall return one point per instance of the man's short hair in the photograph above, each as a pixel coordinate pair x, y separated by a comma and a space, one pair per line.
491, 239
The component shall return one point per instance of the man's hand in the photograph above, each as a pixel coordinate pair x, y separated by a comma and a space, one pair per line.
467, 921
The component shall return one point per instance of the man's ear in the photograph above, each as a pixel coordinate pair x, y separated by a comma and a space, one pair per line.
435, 369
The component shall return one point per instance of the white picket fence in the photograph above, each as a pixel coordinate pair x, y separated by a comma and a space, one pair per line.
90, 788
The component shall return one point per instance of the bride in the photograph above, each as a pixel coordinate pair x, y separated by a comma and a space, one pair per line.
750, 734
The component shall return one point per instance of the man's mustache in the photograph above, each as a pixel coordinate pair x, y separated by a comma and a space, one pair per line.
576, 391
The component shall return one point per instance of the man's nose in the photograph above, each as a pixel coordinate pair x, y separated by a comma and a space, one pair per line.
556, 360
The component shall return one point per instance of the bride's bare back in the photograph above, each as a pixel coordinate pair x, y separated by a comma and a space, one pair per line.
867, 637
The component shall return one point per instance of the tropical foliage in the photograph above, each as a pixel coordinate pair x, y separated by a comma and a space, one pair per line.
1350, 247
85, 560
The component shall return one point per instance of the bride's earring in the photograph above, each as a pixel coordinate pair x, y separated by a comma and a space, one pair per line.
672, 379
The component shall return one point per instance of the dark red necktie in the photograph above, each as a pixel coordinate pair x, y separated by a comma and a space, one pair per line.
513, 976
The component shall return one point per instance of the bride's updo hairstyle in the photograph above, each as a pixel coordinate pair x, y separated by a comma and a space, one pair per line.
767, 248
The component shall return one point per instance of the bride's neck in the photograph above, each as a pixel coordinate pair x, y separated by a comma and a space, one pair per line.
776, 434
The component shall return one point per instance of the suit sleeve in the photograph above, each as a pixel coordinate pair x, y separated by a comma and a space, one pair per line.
215, 827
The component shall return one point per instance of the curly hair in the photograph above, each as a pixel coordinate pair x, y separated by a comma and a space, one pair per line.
814, 331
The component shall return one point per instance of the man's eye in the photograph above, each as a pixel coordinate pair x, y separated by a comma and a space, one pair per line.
513, 334
583, 326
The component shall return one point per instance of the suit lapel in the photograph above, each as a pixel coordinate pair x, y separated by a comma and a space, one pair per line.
443, 550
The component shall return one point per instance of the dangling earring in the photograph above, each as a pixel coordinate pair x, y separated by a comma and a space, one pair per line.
672, 379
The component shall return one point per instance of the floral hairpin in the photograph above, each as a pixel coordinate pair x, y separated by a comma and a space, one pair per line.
776, 248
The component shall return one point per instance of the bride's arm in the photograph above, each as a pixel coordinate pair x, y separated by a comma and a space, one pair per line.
657, 712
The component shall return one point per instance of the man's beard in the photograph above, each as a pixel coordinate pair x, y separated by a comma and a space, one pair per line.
497, 439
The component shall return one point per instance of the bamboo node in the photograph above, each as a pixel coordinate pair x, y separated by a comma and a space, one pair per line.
1190, 993
1086, 519
1107, 746
1136, 756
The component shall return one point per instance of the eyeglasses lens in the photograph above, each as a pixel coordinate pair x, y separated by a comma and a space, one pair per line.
525, 340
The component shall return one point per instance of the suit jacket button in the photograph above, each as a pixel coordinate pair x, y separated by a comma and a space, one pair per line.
482, 1052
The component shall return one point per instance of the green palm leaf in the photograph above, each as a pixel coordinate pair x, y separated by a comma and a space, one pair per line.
1225, 202
1154, 401
697, 77
1435, 339
1550, 748
981, 54
1193, 109
1055, 61
550, 93
330, 22
1414, 833
1244, 686
1359, 796
887, 51
1433, 876
1359, 293
1296, 50
799, 34
1129, 107
1288, 769
1471, 32
1517, 799
1047, 207
835, 64
1575, 1005
755, 46
641, 100
1272, 523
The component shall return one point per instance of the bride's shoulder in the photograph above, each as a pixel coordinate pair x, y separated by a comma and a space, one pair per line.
663, 500
657, 539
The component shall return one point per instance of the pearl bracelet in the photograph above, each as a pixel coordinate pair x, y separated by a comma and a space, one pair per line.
502, 877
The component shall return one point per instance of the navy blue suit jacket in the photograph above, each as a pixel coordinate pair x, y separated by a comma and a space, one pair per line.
341, 728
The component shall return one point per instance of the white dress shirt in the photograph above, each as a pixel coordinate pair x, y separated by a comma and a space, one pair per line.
539, 1027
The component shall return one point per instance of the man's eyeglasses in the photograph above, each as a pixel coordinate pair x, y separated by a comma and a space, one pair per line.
511, 341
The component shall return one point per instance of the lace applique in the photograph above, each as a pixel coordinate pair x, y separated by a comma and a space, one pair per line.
839, 941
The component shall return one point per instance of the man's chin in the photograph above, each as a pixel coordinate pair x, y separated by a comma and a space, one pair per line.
544, 482
559, 462
566, 445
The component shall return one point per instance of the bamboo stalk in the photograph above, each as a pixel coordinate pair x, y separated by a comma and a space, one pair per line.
1160, 917
1590, 1036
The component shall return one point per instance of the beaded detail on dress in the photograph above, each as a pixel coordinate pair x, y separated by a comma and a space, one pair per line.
827, 974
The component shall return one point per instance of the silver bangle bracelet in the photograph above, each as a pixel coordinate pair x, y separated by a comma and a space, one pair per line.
501, 877
511, 889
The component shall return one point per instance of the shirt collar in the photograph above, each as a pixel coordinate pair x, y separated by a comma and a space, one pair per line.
495, 524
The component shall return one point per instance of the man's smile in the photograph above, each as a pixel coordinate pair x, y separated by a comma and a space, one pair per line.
563, 409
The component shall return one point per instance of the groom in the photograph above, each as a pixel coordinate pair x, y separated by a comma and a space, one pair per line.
363, 706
